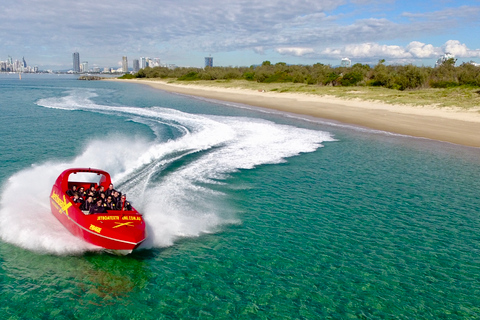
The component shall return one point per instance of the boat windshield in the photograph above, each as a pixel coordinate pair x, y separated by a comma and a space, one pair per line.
88, 177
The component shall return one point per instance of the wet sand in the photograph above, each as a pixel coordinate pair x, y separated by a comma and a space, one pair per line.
449, 125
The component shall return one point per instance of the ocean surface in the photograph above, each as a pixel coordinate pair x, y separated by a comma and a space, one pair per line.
252, 214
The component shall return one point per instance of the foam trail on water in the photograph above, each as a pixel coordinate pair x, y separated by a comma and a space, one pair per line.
176, 202
26, 217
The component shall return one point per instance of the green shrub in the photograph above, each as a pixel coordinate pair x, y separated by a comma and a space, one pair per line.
127, 76
351, 78
191, 76
249, 76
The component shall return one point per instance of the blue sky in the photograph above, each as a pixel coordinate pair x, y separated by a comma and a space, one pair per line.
238, 33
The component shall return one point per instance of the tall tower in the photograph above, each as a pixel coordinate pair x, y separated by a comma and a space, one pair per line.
84, 66
208, 61
136, 65
124, 64
76, 62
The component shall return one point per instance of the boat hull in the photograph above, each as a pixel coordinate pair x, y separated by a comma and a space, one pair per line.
121, 231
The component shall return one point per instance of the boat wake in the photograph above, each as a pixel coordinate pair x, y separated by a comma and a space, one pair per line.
178, 180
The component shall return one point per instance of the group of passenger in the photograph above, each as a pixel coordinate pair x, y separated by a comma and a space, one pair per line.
99, 200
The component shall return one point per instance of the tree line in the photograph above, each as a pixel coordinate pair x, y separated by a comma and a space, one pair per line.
400, 77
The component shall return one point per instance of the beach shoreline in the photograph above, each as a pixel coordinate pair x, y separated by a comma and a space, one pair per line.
443, 124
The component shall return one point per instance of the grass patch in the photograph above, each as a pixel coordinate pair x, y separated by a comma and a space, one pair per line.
461, 97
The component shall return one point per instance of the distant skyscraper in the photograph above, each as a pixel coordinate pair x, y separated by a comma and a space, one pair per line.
208, 61
76, 62
136, 65
124, 64
143, 62
447, 56
346, 62
84, 66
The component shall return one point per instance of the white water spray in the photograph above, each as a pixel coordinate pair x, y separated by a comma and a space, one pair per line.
177, 203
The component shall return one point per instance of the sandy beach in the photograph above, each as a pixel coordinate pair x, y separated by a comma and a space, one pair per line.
443, 124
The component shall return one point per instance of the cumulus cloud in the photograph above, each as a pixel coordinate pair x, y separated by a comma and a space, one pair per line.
295, 51
107, 29
460, 50
373, 49
421, 50
414, 50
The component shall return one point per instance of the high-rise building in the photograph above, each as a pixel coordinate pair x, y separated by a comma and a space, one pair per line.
136, 65
76, 62
84, 66
143, 62
208, 61
346, 63
447, 56
124, 64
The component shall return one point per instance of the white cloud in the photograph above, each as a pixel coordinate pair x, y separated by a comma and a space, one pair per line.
414, 50
366, 50
105, 30
460, 50
421, 50
259, 50
295, 51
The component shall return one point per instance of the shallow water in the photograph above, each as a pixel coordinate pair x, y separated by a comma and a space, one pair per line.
251, 214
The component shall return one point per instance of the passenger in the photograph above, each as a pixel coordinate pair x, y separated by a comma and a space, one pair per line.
70, 192
110, 205
91, 194
92, 189
81, 192
124, 204
100, 190
110, 190
87, 204
76, 198
97, 208
103, 197
116, 198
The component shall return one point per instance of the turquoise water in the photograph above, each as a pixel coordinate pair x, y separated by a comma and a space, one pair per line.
251, 214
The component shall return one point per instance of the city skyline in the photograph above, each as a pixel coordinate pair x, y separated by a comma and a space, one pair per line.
16, 65
81, 66
240, 33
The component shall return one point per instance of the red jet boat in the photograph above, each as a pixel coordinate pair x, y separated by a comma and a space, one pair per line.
118, 231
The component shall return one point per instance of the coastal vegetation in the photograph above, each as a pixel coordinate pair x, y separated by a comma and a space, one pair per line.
444, 86
399, 77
